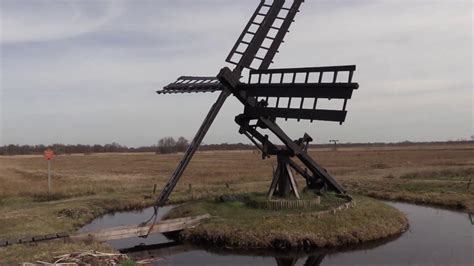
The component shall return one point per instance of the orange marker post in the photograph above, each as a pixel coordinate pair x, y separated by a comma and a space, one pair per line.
48, 156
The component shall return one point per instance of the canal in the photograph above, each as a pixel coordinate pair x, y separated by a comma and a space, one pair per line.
436, 236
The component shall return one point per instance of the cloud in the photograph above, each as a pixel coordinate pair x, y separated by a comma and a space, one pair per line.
48, 20
88, 72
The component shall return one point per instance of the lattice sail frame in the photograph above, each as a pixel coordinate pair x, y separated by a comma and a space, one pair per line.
188, 84
284, 83
262, 36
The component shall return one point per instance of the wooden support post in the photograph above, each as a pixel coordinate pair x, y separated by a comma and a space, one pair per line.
294, 185
49, 176
173, 180
273, 186
283, 182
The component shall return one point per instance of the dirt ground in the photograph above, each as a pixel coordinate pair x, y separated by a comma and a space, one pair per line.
85, 186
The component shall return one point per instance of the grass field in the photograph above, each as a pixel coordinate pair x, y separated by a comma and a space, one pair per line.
85, 186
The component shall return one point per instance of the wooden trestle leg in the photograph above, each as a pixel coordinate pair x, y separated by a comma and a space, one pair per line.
206, 124
283, 182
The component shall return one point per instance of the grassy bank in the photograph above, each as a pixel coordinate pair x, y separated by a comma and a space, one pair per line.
234, 224
23, 217
449, 188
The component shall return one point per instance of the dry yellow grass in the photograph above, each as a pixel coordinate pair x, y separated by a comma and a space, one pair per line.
363, 170
76, 175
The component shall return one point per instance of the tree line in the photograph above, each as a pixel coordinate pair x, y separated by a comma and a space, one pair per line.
164, 145
170, 145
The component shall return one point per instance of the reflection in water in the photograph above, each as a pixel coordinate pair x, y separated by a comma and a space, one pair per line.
160, 254
291, 261
314, 260
286, 261
174, 253
436, 236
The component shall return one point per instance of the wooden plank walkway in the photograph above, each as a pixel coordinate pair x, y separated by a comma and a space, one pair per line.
171, 225
128, 231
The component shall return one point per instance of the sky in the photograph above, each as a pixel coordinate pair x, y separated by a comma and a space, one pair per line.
87, 71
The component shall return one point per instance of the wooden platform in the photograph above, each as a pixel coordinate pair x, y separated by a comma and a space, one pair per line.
120, 232
128, 231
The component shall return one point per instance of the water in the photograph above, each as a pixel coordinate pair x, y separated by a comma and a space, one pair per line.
436, 236
128, 218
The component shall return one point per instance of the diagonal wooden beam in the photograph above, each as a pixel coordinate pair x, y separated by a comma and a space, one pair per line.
293, 183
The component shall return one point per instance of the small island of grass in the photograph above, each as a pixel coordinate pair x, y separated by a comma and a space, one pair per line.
237, 223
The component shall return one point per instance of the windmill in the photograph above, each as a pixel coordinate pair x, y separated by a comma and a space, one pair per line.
267, 95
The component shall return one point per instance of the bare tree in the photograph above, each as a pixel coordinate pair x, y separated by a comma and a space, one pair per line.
182, 144
166, 145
